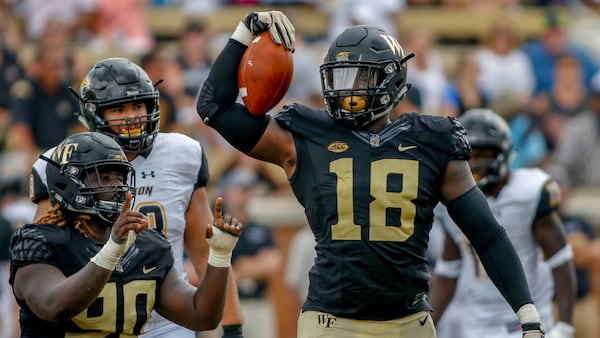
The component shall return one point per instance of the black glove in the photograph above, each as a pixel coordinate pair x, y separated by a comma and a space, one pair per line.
532, 330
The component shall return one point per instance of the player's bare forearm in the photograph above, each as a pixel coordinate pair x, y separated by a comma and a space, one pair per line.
232, 314
458, 179
442, 292
56, 298
565, 291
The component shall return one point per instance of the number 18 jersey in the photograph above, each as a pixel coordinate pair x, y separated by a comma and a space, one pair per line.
369, 200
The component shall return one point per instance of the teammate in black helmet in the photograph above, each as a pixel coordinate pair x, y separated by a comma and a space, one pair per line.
368, 185
91, 266
118, 99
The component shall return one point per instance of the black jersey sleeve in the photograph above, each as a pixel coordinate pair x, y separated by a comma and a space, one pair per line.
304, 120
445, 134
28, 245
550, 199
203, 173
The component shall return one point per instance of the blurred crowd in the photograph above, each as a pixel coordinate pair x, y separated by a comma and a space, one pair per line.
547, 87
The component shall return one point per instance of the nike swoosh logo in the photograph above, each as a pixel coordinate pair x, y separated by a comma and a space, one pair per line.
422, 322
401, 148
146, 270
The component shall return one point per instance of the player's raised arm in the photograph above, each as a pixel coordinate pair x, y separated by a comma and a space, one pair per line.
201, 308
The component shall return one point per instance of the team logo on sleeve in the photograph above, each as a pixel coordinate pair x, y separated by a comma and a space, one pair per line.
554, 193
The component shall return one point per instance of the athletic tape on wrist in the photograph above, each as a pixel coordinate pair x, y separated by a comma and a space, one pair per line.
219, 260
109, 255
242, 34
528, 314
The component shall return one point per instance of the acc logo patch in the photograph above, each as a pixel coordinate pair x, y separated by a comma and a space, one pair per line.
338, 147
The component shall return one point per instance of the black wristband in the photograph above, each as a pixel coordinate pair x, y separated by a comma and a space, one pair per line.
233, 331
532, 327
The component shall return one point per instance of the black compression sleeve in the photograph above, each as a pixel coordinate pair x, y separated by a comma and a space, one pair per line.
220, 90
472, 214
216, 102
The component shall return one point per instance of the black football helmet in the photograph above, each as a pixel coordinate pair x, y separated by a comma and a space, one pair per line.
488, 130
363, 75
113, 81
80, 155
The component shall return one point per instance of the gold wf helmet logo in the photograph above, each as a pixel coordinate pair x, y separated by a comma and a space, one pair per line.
342, 56
394, 44
63, 152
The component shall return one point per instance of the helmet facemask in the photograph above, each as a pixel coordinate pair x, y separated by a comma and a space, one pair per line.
91, 195
493, 172
358, 93
89, 173
134, 134
363, 76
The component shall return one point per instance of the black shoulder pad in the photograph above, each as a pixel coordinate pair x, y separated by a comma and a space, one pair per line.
461, 146
30, 245
448, 135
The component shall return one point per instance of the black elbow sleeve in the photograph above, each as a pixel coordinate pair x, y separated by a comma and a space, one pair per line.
472, 214
216, 102
220, 90
241, 129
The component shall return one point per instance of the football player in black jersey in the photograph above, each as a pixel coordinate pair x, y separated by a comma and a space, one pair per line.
92, 267
368, 184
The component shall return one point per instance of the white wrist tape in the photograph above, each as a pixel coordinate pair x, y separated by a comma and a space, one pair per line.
528, 314
448, 269
109, 255
242, 34
562, 256
219, 260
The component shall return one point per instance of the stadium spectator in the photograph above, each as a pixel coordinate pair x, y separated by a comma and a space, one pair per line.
121, 25
427, 69
566, 98
575, 161
463, 90
504, 69
42, 106
544, 51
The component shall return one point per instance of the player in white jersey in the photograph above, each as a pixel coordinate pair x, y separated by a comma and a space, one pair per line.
117, 98
525, 203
